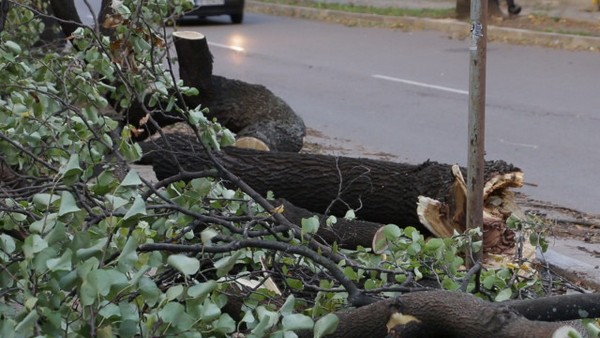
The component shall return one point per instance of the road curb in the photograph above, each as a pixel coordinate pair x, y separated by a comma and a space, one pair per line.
454, 28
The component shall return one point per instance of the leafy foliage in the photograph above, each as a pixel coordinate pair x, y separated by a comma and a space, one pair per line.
88, 247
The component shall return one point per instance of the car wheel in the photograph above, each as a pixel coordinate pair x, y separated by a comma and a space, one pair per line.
237, 18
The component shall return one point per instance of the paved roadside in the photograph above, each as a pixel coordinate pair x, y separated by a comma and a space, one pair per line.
573, 9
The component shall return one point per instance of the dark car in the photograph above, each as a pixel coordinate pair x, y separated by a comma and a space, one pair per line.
204, 8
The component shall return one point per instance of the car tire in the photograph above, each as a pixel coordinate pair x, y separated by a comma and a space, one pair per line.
237, 18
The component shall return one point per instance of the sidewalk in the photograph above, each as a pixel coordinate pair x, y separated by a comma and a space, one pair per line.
553, 9
573, 9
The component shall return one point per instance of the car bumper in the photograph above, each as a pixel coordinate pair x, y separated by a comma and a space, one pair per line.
228, 8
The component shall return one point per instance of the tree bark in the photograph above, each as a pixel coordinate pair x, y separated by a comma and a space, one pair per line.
441, 314
463, 8
429, 196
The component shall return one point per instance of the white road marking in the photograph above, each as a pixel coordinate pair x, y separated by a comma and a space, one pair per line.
233, 48
532, 146
420, 84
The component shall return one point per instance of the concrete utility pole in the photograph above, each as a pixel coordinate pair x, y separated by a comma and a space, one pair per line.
477, 64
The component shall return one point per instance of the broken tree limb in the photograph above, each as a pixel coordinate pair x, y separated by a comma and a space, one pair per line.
441, 313
558, 308
346, 233
378, 191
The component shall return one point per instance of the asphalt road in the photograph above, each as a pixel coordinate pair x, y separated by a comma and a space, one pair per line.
405, 93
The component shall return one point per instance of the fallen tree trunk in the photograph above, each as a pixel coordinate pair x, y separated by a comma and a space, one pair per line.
451, 314
448, 314
429, 196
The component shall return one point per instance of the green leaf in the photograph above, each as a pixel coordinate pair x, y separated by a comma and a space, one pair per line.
197, 116
115, 201
288, 307
310, 225
102, 280
267, 319
207, 235
174, 292
149, 290
450, 284
186, 265
128, 256
131, 179
225, 324
225, 264
297, 321
67, 204
294, 283
27, 323
137, 209
45, 224
87, 293
503, 295
434, 244
62, 263
7, 243
418, 273
476, 246
44, 200
326, 325
72, 168
33, 244
13, 47
489, 281
351, 273
330, 221
110, 310
202, 289
210, 311
350, 215
171, 312
131, 152
85, 253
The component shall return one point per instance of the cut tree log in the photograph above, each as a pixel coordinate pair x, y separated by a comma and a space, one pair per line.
249, 110
428, 196
444, 314
244, 108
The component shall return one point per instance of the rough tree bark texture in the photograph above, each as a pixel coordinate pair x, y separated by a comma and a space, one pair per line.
378, 191
442, 314
463, 8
